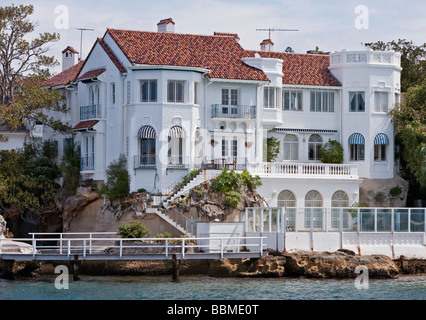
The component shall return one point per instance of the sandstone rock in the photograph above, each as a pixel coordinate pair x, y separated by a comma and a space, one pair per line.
2, 227
376, 193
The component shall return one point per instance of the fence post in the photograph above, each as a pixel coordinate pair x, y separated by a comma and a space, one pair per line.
34, 245
90, 243
167, 248
60, 243
69, 247
221, 248
84, 247
261, 246
183, 248
121, 248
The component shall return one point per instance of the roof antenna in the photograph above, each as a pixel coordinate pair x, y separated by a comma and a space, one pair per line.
81, 40
273, 30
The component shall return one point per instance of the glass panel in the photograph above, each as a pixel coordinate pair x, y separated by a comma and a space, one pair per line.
400, 217
291, 219
300, 101
179, 91
286, 100
258, 221
234, 97
366, 220
171, 91
417, 220
384, 220
153, 91
350, 220
144, 91
312, 101
225, 96
331, 102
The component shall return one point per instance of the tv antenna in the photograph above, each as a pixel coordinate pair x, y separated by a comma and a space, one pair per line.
81, 39
270, 30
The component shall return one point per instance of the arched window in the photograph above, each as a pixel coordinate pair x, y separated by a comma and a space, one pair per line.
313, 209
287, 199
315, 144
147, 138
357, 147
176, 145
92, 96
339, 199
380, 147
291, 147
97, 96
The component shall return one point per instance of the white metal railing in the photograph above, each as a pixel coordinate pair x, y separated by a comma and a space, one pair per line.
96, 243
305, 169
375, 220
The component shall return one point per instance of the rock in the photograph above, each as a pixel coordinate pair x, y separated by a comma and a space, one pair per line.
337, 265
74, 204
2, 227
377, 192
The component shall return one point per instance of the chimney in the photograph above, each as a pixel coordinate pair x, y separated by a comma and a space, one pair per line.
166, 25
267, 45
69, 58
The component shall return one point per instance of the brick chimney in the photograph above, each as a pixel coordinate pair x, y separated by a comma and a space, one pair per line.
166, 25
69, 58
267, 45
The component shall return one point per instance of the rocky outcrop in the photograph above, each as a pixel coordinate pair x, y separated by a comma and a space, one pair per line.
2, 227
384, 193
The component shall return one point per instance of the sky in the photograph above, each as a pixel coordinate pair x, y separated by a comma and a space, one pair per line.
330, 25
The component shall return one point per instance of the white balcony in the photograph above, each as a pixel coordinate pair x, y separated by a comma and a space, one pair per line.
304, 170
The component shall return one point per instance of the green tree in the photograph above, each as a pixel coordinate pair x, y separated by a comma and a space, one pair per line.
410, 123
272, 149
24, 66
70, 167
331, 152
413, 60
117, 185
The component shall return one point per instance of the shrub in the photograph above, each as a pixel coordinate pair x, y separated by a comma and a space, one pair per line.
272, 149
396, 191
233, 198
117, 186
134, 230
331, 152
251, 182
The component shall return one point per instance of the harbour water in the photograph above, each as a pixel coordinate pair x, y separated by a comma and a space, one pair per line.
208, 288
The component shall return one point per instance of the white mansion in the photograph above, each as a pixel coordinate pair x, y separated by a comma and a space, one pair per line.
174, 102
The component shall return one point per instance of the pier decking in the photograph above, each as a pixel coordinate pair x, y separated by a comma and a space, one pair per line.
108, 246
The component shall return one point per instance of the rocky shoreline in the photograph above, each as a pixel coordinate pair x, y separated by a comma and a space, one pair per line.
317, 265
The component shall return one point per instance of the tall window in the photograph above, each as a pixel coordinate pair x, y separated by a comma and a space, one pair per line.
148, 90
270, 97
357, 101
292, 100
339, 200
175, 91
92, 96
128, 92
315, 144
322, 101
291, 147
234, 151
147, 137
381, 101
380, 147
357, 147
230, 97
88, 155
287, 199
113, 98
313, 211
175, 147
196, 93
225, 147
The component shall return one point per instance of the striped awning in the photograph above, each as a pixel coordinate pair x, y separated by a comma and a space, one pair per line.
176, 132
146, 132
381, 139
356, 138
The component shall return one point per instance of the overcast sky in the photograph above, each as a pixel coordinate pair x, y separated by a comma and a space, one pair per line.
331, 25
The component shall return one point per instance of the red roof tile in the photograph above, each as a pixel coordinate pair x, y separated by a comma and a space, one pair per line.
66, 76
303, 69
226, 34
112, 56
222, 55
165, 21
91, 74
70, 49
86, 125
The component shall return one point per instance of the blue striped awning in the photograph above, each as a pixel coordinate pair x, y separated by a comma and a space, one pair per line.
381, 139
176, 132
146, 132
356, 138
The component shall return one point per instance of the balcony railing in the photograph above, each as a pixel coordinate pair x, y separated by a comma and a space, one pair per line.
90, 112
305, 170
178, 162
219, 163
87, 163
144, 161
233, 112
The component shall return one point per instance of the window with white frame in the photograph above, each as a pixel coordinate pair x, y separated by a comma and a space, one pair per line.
270, 97
229, 97
287, 199
356, 147
196, 93
381, 143
175, 91
322, 101
291, 147
339, 199
292, 100
357, 101
314, 146
234, 151
381, 101
225, 147
148, 90
313, 211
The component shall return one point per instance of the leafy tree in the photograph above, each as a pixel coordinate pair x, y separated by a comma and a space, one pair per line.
134, 230
23, 69
117, 186
413, 60
410, 123
272, 149
331, 152
70, 167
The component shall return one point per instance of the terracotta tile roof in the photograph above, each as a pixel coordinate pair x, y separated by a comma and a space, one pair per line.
226, 34
86, 125
65, 77
303, 69
165, 21
267, 41
92, 74
70, 49
112, 56
222, 55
